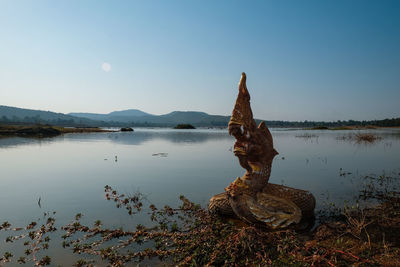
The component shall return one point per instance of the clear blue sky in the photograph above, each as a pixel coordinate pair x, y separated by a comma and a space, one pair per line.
305, 60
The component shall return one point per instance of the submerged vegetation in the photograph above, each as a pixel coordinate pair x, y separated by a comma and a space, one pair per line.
307, 136
366, 233
184, 126
347, 127
367, 137
360, 138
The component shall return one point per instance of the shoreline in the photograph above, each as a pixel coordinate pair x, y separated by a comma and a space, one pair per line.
44, 130
338, 128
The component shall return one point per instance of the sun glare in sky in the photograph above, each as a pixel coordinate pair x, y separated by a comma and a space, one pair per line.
106, 66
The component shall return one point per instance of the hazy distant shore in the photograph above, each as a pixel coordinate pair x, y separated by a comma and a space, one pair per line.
40, 131
138, 118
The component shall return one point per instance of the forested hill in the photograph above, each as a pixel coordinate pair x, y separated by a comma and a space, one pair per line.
30, 116
122, 115
137, 118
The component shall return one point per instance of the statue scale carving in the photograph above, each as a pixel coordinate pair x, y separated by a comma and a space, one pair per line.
251, 197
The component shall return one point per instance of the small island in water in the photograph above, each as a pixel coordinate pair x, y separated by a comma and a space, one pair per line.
184, 126
126, 129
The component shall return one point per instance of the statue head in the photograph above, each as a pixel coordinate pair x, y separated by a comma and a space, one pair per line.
254, 145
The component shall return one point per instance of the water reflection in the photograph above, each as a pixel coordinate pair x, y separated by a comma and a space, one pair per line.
68, 173
174, 136
9, 142
138, 137
198, 163
142, 135
201, 159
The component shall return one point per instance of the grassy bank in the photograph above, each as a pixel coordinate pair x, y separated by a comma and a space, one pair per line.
42, 130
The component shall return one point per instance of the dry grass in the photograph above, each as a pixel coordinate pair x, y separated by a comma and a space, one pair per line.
366, 138
82, 130
360, 138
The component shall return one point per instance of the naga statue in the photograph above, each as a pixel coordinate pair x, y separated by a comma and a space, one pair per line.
251, 198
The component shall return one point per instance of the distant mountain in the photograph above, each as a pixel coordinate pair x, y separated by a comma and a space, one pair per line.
129, 112
91, 116
137, 118
22, 115
188, 117
123, 115
131, 117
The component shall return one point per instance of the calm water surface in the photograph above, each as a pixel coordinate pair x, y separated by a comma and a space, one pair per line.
68, 173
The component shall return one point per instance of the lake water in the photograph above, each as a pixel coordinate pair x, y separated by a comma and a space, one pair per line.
68, 173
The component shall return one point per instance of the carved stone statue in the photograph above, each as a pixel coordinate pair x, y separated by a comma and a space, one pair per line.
251, 197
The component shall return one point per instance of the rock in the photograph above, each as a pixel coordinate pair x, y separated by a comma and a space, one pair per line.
184, 126
126, 129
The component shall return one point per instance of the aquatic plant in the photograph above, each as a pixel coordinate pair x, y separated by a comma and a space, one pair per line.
307, 136
360, 235
366, 137
360, 138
